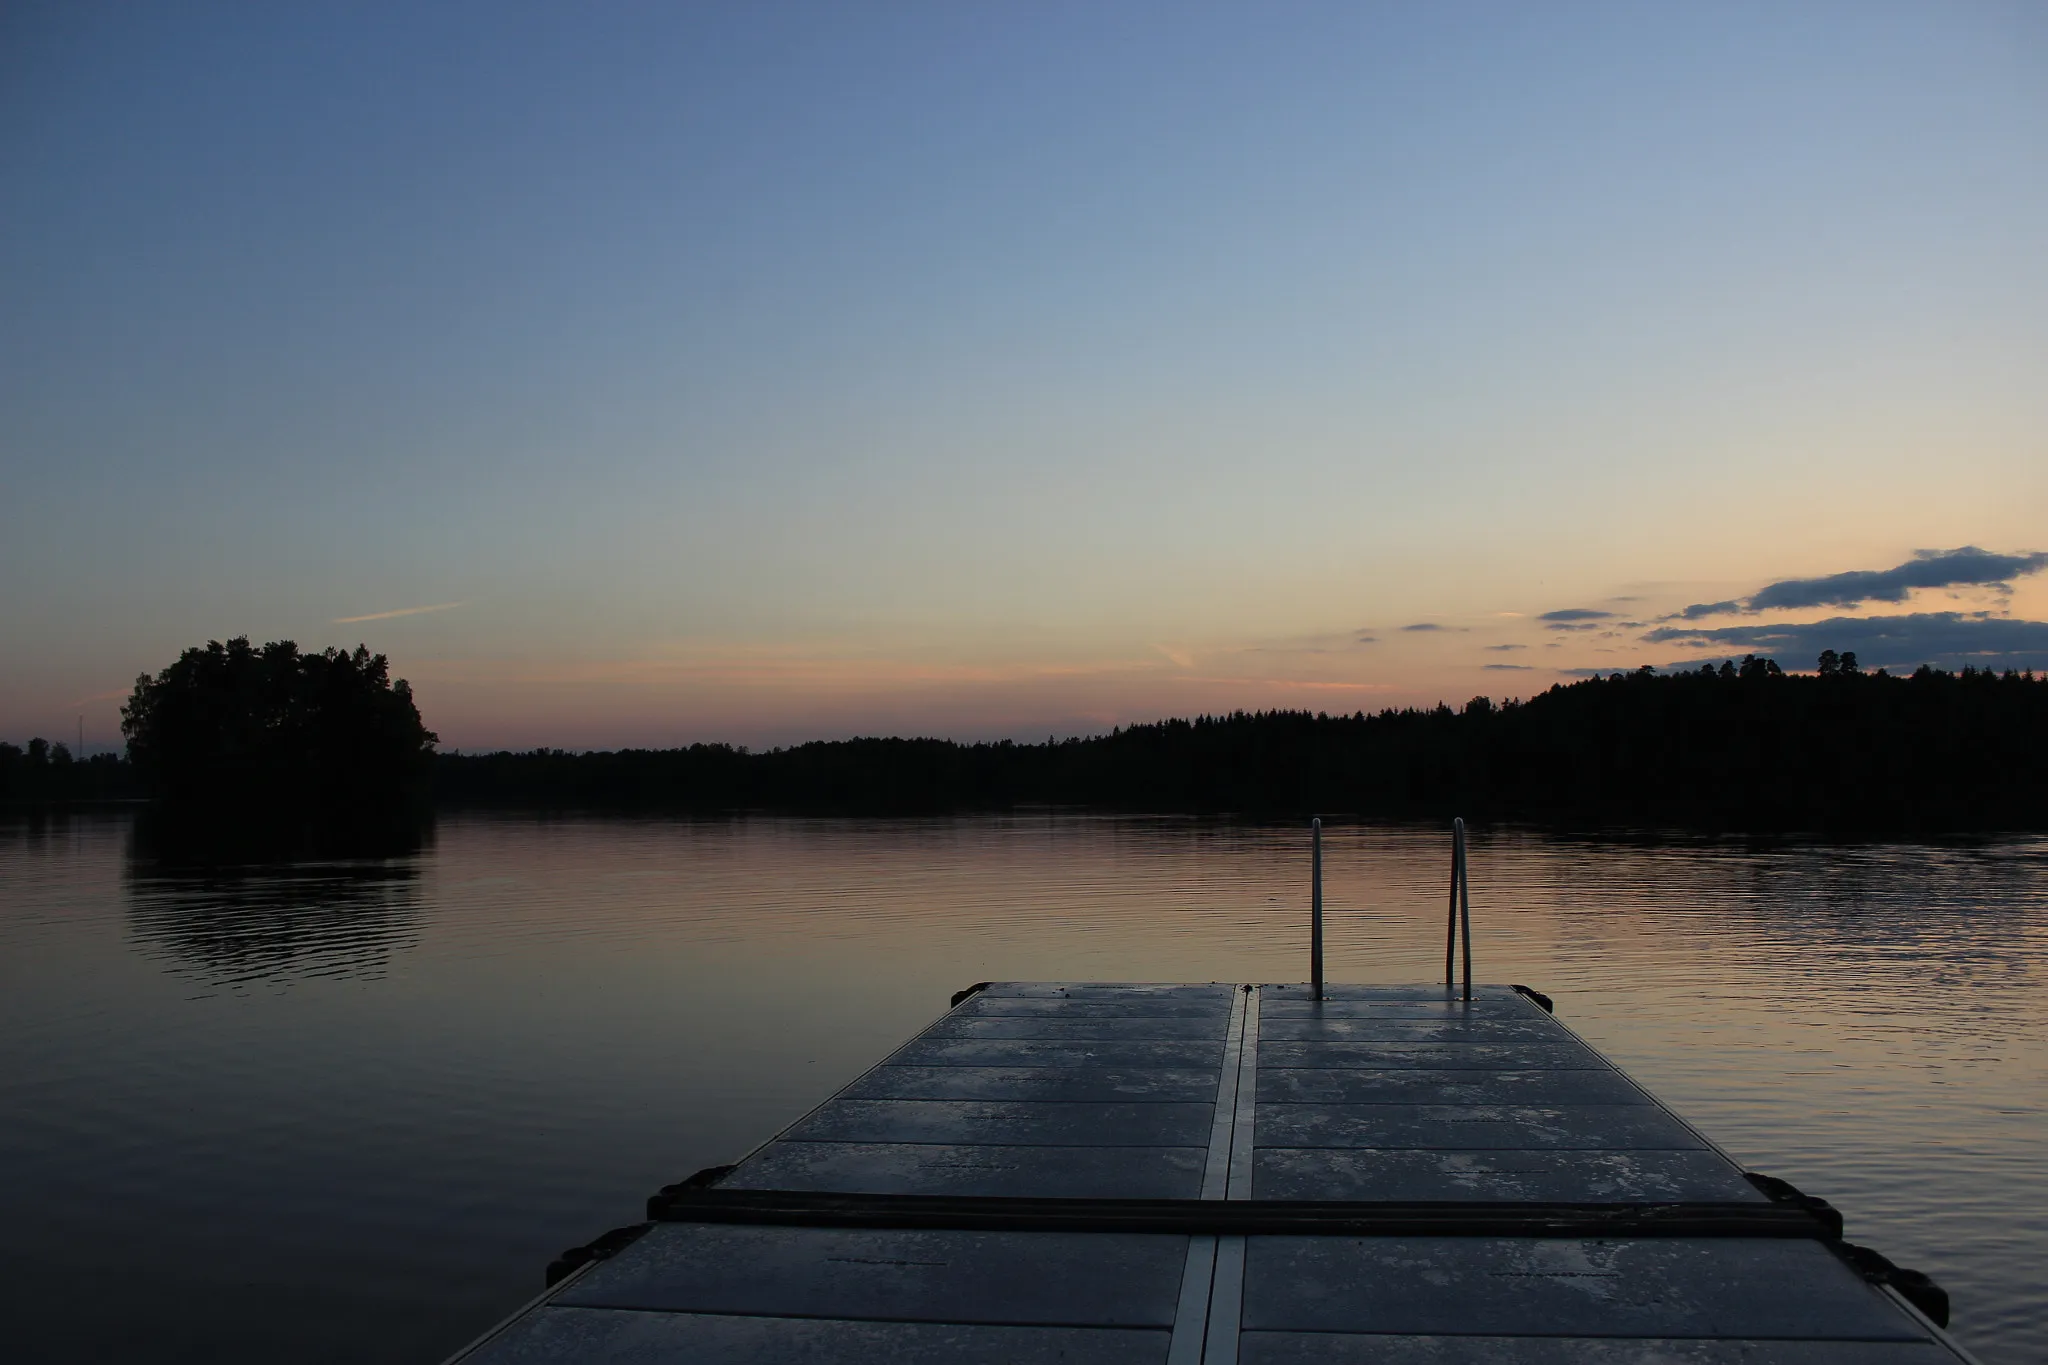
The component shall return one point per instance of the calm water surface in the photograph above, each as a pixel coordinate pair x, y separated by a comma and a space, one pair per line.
348, 1112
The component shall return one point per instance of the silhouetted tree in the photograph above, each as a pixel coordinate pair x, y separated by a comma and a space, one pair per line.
271, 746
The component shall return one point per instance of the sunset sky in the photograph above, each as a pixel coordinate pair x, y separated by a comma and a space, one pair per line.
644, 374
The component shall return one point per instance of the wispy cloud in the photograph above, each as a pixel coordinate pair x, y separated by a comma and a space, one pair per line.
1502, 649
1321, 642
387, 615
1424, 625
1508, 668
1965, 567
1575, 614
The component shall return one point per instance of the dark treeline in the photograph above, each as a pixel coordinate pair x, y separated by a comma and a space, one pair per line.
1748, 748
46, 773
1740, 748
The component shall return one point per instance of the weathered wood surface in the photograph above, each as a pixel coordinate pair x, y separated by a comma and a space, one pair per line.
1217, 1092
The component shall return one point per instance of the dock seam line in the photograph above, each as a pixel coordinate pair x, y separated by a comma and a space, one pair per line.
1246, 1108
1216, 1170
1189, 1342
1226, 1291
1191, 1315
1226, 1303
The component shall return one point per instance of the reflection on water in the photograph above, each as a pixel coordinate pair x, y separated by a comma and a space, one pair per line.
495, 1049
246, 924
214, 837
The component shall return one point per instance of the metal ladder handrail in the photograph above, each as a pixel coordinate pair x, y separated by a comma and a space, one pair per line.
1315, 915
1460, 910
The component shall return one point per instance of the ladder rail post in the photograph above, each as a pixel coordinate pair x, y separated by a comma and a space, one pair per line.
1464, 906
1451, 927
1315, 932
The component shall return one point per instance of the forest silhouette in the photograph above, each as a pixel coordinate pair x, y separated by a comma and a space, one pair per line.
1738, 747
50, 773
1734, 747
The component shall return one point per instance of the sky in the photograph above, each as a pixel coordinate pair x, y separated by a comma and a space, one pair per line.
642, 374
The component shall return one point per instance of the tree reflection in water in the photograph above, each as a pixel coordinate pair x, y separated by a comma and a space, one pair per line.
231, 924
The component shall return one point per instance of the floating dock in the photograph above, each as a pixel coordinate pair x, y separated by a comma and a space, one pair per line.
1095, 1173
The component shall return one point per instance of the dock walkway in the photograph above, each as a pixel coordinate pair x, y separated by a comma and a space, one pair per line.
1210, 1174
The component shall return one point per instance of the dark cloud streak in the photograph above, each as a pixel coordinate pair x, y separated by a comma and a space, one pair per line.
1969, 566
1926, 569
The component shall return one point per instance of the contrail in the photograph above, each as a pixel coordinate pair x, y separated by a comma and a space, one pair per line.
387, 615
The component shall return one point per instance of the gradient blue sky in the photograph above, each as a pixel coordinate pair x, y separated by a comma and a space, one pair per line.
765, 372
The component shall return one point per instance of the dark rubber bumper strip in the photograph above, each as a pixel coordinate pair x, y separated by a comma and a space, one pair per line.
1236, 1217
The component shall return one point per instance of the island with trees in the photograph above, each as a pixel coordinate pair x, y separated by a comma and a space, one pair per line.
276, 749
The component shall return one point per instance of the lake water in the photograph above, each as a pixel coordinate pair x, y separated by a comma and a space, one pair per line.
348, 1112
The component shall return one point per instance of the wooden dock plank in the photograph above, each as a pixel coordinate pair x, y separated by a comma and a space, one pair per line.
1299, 1007
1512, 1175
1516, 1055
1121, 992
1282, 995
1423, 1085
554, 1335
1457, 1127
985, 1006
1091, 1029
1067, 1279
1155, 1085
1096, 1091
1458, 1120
1647, 1287
1308, 1028
1031, 1123
1003, 1052
1011, 1171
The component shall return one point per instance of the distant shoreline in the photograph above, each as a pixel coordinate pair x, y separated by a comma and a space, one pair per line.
1753, 750
1735, 751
